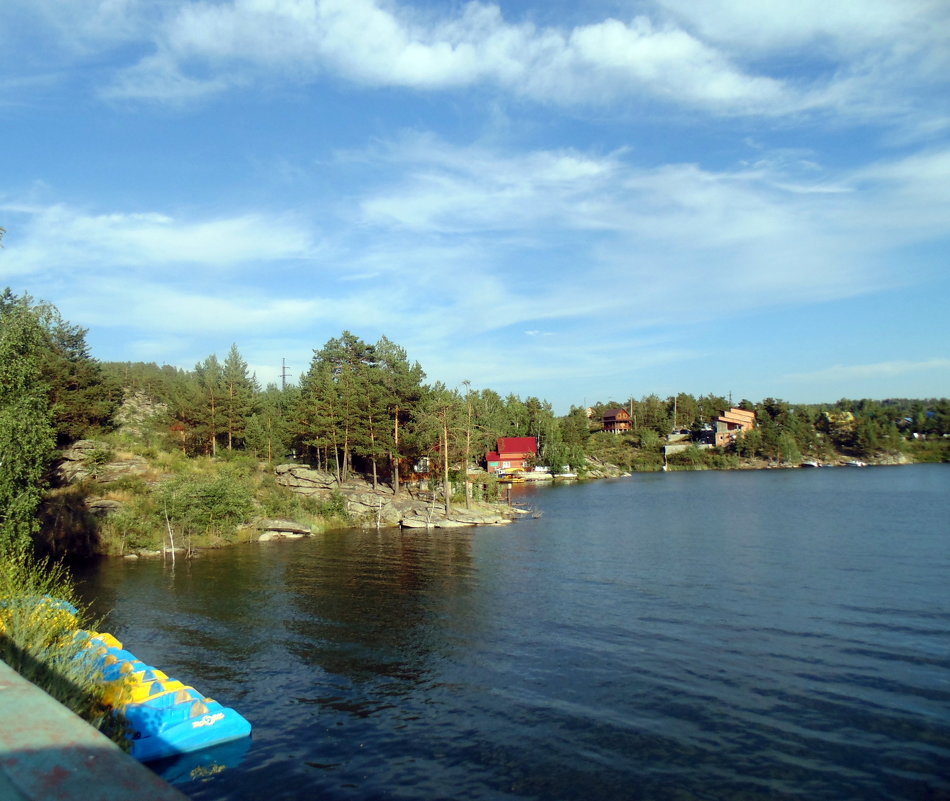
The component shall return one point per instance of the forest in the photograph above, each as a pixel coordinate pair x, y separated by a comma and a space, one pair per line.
361, 409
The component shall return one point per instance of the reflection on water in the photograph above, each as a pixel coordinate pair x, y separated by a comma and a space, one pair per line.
204, 765
721, 635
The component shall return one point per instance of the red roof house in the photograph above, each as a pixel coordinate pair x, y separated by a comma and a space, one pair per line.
512, 453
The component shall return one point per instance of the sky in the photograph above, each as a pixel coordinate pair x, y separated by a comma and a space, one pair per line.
581, 202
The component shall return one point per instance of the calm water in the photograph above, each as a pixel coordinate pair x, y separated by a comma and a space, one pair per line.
736, 635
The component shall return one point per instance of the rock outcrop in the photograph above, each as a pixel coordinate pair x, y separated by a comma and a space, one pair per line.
379, 507
89, 458
596, 468
281, 529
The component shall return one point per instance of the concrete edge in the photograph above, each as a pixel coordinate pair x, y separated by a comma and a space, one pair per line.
47, 753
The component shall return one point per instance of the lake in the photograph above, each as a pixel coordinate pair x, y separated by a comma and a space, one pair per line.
775, 634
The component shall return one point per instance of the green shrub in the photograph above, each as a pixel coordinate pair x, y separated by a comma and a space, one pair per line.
37, 637
334, 508
206, 505
135, 527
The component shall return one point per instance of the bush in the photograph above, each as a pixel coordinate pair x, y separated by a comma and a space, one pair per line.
96, 459
135, 527
334, 508
38, 637
206, 505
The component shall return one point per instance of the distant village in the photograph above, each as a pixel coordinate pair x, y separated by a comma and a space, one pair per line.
515, 458
789, 437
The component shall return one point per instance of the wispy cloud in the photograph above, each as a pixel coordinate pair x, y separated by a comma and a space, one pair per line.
890, 369
767, 234
54, 235
861, 57
204, 48
462, 242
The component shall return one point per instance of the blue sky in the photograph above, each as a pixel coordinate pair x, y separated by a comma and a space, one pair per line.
578, 201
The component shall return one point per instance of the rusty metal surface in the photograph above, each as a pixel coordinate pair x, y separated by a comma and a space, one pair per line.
49, 754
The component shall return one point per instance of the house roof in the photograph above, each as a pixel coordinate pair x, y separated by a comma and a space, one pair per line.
527, 445
613, 414
737, 417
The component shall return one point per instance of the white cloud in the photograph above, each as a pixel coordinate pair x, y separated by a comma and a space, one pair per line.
564, 250
845, 26
643, 246
204, 47
870, 58
57, 235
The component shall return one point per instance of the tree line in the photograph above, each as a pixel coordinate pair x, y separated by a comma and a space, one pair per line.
786, 432
361, 407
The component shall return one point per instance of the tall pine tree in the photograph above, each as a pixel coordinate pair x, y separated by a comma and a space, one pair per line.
239, 393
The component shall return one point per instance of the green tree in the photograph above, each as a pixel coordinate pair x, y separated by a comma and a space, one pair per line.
268, 430
402, 391
315, 416
82, 397
683, 410
333, 403
209, 402
27, 436
440, 430
575, 428
239, 394
199, 505
652, 413
490, 419
517, 417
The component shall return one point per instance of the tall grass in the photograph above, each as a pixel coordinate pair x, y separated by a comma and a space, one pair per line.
38, 636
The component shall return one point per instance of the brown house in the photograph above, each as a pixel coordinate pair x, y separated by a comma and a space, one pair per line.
616, 421
730, 423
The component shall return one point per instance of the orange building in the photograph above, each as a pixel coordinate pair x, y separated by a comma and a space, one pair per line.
730, 423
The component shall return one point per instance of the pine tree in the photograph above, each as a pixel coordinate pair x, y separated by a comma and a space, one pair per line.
442, 420
401, 392
82, 396
268, 432
210, 388
239, 392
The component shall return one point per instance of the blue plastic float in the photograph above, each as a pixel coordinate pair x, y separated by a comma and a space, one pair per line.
167, 718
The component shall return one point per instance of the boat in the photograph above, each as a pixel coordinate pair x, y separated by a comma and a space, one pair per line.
856, 463
512, 477
165, 716
810, 463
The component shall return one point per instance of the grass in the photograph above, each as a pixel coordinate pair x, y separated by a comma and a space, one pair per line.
38, 637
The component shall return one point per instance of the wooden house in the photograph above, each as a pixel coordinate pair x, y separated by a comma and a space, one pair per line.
730, 423
513, 454
616, 421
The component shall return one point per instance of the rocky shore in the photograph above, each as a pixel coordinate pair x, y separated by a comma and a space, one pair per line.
381, 507
94, 466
